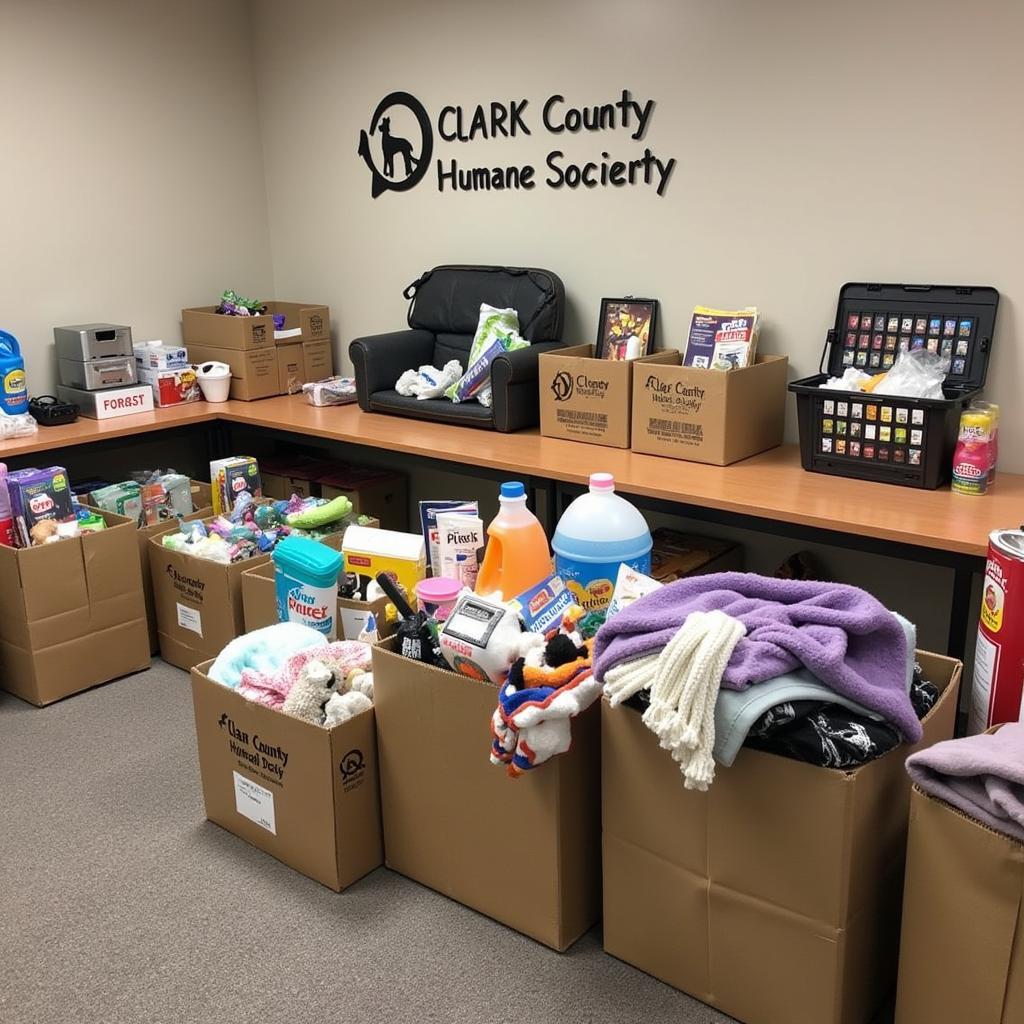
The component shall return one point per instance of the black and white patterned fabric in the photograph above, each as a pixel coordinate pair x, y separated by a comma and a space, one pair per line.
830, 735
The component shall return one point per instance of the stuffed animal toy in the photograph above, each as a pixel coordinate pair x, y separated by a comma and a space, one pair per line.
546, 688
343, 706
348, 659
310, 693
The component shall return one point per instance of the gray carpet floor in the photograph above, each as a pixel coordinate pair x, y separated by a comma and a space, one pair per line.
121, 904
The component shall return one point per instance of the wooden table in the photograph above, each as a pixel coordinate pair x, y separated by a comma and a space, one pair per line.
769, 491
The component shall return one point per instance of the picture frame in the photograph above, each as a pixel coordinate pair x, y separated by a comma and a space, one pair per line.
625, 328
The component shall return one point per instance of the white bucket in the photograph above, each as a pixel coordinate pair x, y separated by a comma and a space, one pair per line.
214, 381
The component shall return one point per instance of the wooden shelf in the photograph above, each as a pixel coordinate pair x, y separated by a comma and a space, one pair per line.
770, 486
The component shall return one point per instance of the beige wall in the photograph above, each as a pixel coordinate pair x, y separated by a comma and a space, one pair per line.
816, 143
130, 166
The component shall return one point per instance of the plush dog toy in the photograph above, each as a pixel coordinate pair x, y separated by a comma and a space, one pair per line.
310, 693
545, 690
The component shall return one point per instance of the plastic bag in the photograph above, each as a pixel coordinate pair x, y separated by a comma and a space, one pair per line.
916, 374
19, 425
852, 380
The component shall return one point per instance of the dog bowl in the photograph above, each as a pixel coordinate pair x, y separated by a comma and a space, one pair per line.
214, 381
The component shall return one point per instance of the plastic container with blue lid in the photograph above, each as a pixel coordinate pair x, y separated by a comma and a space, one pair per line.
306, 584
597, 533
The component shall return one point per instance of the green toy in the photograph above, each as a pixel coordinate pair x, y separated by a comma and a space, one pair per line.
321, 515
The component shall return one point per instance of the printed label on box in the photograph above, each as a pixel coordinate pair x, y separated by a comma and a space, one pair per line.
254, 802
190, 618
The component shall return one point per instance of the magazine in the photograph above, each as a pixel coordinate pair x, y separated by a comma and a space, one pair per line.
721, 339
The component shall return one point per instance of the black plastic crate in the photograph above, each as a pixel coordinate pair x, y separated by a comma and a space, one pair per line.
906, 441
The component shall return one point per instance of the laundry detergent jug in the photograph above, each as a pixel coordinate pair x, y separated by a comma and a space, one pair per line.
13, 393
517, 556
596, 534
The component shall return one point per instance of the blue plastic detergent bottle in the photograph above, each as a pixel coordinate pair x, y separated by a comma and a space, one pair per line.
13, 393
306, 584
596, 534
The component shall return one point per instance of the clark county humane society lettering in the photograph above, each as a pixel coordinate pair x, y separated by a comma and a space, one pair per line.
398, 148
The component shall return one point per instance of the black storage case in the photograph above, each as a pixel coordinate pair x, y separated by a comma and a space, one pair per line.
933, 422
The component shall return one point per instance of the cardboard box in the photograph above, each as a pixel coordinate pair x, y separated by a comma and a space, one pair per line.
676, 555
259, 605
306, 795
71, 613
171, 387
456, 823
319, 360
109, 404
203, 510
255, 373
588, 399
198, 603
312, 321
291, 365
373, 492
201, 326
962, 947
710, 416
775, 896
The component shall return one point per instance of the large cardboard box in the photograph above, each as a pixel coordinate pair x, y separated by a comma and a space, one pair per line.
710, 416
201, 325
72, 613
522, 851
198, 603
588, 399
775, 896
291, 366
676, 555
255, 373
304, 794
202, 510
962, 947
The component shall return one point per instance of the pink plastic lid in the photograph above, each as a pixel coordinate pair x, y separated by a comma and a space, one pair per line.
438, 590
602, 482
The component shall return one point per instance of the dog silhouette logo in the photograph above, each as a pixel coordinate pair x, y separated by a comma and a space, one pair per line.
561, 386
352, 764
398, 155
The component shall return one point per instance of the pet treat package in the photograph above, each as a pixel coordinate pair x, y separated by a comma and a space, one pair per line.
460, 541
37, 495
541, 607
721, 339
230, 477
497, 331
124, 499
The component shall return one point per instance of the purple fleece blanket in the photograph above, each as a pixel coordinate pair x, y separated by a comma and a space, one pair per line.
842, 634
983, 776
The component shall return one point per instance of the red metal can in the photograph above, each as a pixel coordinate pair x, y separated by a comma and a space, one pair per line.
998, 688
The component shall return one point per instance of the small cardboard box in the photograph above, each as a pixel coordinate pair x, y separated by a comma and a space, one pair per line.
307, 795
443, 827
372, 492
198, 603
319, 360
588, 399
259, 604
775, 896
291, 365
171, 387
71, 613
713, 416
964, 897
109, 404
255, 373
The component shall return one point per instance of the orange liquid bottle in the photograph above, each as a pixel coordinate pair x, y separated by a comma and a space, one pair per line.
517, 555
